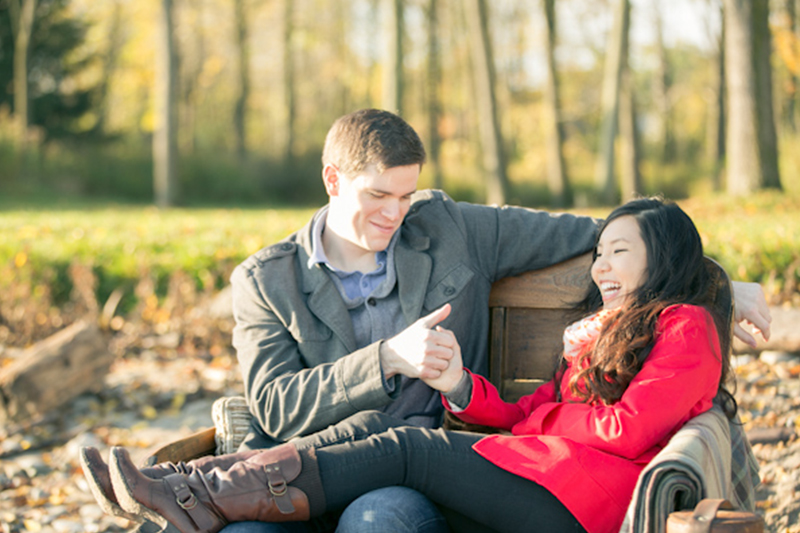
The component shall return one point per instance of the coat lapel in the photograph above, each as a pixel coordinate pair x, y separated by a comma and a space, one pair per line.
413, 268
324, 301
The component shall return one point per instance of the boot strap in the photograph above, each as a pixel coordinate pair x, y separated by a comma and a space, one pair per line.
279, 488
189, 502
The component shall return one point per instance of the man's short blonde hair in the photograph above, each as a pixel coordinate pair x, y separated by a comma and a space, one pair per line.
371, 137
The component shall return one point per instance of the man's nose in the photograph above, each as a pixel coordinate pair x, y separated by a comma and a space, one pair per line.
391, 209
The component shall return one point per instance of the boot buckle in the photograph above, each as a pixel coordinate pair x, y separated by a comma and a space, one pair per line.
189, 503
279, 488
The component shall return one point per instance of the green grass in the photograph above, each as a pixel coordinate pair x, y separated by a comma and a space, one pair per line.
756, 239
125, 243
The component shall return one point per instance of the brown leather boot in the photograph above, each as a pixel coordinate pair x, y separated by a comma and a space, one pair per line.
96, 472
254, 488
99, 479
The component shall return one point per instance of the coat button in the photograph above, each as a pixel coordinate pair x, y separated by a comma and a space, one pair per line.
286, 246
371, 301
449, 291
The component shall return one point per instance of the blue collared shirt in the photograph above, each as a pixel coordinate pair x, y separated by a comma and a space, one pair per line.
356, 285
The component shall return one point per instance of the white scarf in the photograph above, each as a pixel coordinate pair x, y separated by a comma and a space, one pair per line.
581, 336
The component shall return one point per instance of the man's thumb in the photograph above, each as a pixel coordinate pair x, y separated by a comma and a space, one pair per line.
436, 317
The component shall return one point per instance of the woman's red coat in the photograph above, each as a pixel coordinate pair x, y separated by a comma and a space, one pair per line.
589, 455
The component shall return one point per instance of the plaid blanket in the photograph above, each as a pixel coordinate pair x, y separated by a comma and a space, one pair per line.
709, 457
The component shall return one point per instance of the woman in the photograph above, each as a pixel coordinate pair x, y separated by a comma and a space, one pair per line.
644, 360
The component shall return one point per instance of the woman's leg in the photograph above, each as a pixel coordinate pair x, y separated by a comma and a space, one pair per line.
353, 428
442, 466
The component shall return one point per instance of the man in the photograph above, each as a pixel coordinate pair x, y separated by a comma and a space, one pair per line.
343, 315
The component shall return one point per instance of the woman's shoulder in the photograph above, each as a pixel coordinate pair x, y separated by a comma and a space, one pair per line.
680, 315
684, 310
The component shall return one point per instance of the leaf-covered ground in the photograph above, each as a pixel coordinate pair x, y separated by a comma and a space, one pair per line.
167, 374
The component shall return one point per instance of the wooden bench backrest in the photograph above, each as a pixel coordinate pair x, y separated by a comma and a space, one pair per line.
529, 313
528, 316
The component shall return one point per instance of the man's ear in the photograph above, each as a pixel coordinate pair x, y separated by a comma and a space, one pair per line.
330, 177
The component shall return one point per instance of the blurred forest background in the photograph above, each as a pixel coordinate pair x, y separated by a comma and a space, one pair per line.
112, 110
563, 103
149, 146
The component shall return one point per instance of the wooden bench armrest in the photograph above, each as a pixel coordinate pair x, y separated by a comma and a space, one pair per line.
196, 445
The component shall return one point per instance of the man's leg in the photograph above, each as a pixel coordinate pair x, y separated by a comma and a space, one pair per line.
389, 510
263, 527
392, 510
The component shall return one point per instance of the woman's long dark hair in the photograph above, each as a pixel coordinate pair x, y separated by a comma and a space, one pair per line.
676, 274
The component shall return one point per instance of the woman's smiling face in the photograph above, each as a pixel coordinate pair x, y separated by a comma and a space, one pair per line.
620, 266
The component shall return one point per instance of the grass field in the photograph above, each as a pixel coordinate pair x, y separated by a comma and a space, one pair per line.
756, 239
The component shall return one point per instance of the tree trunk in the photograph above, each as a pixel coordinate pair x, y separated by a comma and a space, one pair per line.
663, 85
612, 77
115, 36
557, 179
26, 14
793, 84
165, 142
631, 182
486, 103
243, 48
796, 33
715, 137
371, 95
191, 91
288, 111
765, 111
434, 102
392, 99
748, 136
54, 371
343, 89
743, 167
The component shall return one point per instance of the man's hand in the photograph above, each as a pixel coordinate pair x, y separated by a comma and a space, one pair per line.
420, 351
751, 308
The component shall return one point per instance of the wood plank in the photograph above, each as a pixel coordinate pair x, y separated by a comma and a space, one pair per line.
534, 342
196, 445
555, 287
517, 388
497, 345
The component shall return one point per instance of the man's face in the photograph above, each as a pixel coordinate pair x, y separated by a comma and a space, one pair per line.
367, 209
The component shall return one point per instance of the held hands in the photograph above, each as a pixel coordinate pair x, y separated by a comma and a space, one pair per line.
751, 309
423, 350
451, 375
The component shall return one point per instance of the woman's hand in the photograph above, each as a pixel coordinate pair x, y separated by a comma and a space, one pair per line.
451, 375
751, 308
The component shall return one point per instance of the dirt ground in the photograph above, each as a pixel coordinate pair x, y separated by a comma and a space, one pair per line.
161, 387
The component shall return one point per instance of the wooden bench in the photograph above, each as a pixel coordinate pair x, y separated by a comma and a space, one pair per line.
528, 316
